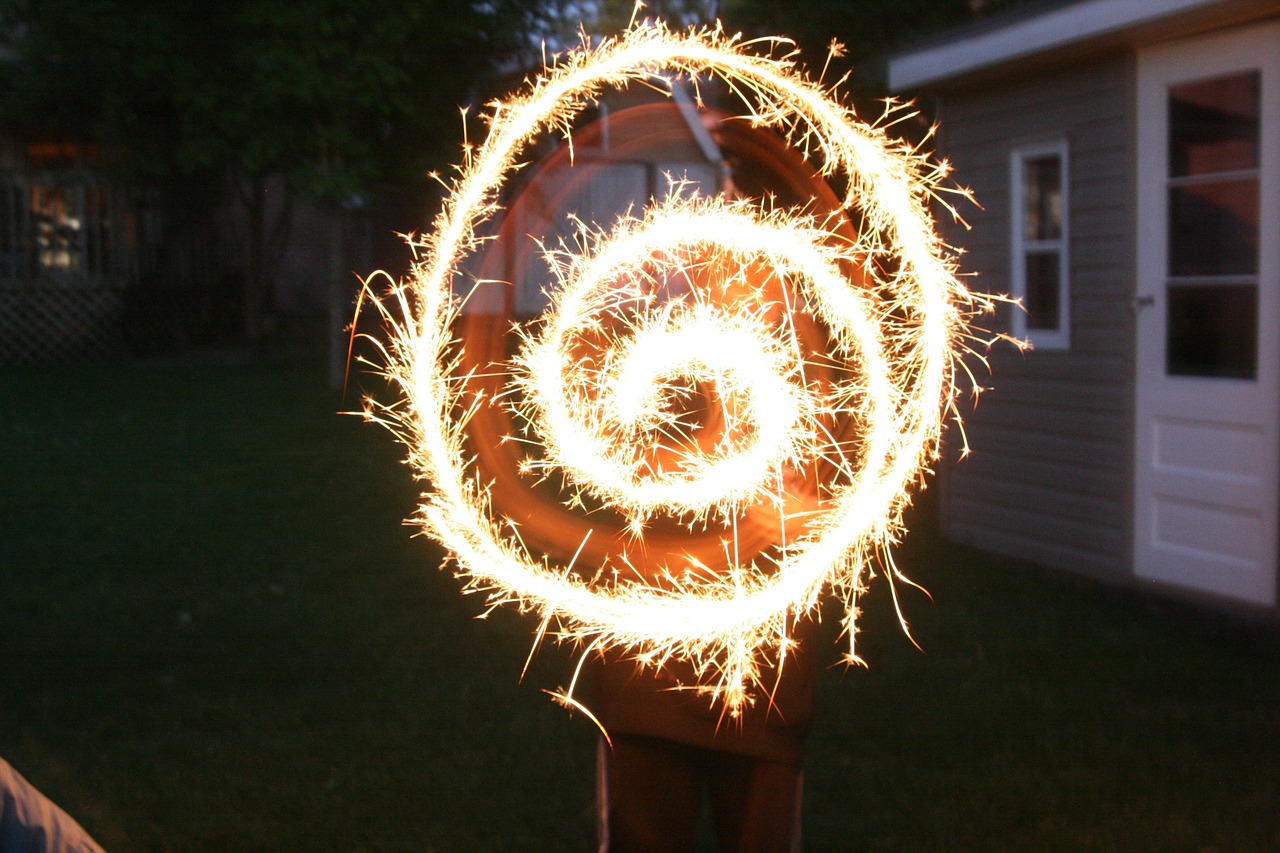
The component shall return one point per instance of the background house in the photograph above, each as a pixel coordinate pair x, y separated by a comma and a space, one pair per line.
70, 244
1126, 156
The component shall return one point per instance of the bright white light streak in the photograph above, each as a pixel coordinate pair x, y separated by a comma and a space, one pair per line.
898, 333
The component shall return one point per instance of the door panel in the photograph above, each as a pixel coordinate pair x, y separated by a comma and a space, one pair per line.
1207, 467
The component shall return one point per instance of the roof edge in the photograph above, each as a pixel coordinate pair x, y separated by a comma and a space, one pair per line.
918, 67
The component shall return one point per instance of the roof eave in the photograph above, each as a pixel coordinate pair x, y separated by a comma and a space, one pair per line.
1081, 26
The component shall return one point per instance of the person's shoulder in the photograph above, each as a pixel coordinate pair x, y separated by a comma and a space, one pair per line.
31, 823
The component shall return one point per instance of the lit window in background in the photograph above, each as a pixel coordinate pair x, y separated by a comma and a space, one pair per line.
59, 229
57, 220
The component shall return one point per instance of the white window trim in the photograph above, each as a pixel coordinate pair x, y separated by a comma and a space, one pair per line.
1042, 339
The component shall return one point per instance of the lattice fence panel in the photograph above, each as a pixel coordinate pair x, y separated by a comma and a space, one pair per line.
43, 324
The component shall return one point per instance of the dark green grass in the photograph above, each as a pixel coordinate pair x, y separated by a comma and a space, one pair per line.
215, 634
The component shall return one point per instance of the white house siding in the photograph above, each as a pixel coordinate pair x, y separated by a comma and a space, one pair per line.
1049, 478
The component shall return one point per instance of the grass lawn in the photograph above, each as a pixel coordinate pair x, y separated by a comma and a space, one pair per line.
216, 634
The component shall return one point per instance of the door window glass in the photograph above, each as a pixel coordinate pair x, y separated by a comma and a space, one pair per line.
1212, 286
1211, 331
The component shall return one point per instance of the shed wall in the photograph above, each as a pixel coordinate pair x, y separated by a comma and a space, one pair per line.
1050, 476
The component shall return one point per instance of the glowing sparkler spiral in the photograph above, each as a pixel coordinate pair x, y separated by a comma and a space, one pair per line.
606, 375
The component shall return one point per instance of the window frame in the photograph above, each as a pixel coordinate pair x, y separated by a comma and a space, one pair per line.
1058, 338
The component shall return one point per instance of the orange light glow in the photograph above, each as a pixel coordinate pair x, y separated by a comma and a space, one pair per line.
673, 385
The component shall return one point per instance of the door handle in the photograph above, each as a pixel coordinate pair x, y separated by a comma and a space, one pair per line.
1137, 303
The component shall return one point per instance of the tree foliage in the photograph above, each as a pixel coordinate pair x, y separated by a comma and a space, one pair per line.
837, 35
340, 94
865, 30
327, 99
331, 99
334, 94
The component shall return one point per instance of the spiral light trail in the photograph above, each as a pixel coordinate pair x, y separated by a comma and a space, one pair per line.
601, 384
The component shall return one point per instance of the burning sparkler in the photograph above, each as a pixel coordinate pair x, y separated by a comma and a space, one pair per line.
823, 356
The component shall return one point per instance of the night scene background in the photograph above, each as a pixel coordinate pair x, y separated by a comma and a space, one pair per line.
216, 633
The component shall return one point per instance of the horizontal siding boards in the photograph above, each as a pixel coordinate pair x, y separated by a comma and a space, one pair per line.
1100, 223
1099, 337
1049, 478
1055, 547
1054, 96
1077, 494
1049, 365
1102, 309
1068, 395
1021, 510
1041, 422
1093, 274
1015, 445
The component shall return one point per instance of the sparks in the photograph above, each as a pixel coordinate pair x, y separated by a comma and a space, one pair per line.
601, 382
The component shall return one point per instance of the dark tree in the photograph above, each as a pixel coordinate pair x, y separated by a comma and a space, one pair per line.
327, 99
866, 29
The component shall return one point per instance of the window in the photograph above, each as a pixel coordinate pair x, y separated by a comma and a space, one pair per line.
59, 229
1214, 202
58, 223
1039, 277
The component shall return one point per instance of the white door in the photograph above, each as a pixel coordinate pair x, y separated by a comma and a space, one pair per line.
1208, 314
